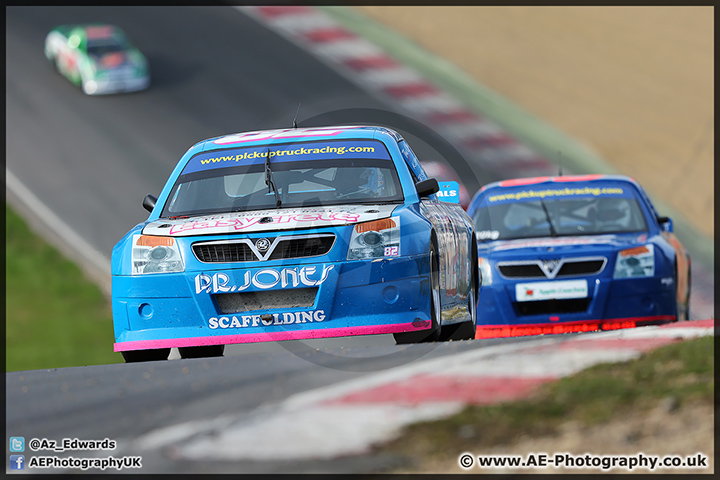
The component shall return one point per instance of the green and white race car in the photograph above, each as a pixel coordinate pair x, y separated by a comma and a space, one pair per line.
98, 57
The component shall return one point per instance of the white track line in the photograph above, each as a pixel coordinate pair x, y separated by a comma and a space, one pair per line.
73, 245
75, 242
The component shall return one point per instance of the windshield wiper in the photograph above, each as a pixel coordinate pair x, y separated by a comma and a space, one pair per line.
269, 180
553, 232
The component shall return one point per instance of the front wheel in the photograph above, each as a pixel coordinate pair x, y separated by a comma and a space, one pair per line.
464, 330
433, 334
134, 356
202, 352
86, 88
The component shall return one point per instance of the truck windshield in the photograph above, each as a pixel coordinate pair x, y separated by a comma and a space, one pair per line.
559, 217
233, 182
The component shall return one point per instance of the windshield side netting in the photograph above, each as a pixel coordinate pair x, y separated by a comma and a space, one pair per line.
311, 174
554, 212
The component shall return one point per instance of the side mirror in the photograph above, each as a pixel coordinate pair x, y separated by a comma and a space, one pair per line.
149, 202
427, 187
666, 224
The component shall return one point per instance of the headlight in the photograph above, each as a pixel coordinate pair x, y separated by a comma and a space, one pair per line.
139, 62
485, 271
376, 239
140, 70
151, 254
635, 262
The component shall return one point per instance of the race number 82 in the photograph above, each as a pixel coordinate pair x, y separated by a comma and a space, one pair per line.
392, 251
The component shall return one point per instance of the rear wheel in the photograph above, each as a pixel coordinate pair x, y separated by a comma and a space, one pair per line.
433, 334
202, 352
51, 58
134, 356
54, 61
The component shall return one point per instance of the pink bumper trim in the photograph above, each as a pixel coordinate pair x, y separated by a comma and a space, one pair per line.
266, 337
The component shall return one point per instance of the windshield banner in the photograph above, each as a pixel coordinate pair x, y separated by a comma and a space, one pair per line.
324, 150
536, 194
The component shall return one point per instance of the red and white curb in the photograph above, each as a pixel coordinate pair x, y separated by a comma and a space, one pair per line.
349, 417
366, 65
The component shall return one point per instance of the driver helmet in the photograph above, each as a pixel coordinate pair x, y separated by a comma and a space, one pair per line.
613, 211
375, 181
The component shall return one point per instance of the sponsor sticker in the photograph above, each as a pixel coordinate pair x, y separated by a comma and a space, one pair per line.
241, 223
245, 321
393, 251
306, 151
525, 292
449, 192
307, 276
488, 234
553, 242
275, 134
531, 194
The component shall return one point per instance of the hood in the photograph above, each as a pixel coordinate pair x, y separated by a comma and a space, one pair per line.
268, 220
580, 245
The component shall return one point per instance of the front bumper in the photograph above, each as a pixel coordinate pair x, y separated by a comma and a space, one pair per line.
387, 295
610, 304
109, 86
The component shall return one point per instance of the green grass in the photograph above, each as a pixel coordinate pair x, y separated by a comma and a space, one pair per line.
678, 373
55, 316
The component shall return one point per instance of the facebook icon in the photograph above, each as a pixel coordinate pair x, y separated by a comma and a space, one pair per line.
17, 462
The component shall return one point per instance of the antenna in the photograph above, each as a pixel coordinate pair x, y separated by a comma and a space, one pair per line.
559, 164
296, 114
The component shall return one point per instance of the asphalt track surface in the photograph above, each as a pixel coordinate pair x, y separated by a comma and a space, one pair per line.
93, 159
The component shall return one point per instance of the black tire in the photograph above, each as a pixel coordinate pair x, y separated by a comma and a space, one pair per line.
464, 330
135, 356
432, 334
202, 352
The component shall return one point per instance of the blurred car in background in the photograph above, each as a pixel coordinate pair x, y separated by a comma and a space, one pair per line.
575, 253
97, 57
